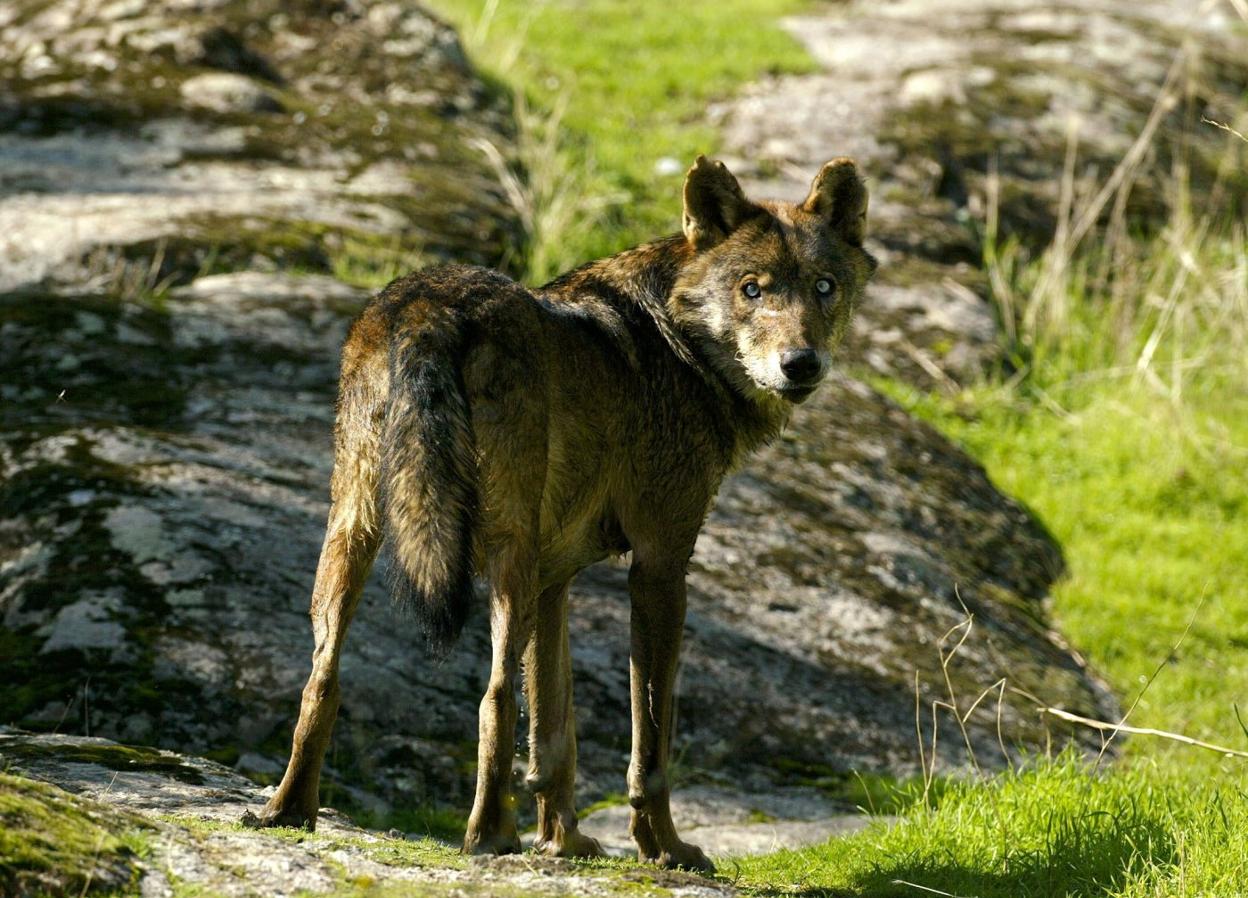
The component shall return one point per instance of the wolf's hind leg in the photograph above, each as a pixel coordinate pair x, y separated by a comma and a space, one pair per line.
507, 395
351, 543
492, 824
552, 730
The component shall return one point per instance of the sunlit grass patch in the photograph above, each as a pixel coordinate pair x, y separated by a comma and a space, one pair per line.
1149, 503
626, 86
1058, 827
1124, 428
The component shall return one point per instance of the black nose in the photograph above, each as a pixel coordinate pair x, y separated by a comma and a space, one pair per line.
800, 365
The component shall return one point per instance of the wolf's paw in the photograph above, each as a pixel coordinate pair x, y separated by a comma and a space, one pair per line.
504, 841
682, 855
572, 844
272, 815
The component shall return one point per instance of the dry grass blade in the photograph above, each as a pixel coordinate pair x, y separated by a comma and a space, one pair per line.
1167, 98
1225, 127
549, 193
928, 889
1156, 672
945, 659
1167, 309
1115, 728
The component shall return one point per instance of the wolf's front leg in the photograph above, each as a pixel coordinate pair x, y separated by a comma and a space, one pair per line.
658, 618
552, 731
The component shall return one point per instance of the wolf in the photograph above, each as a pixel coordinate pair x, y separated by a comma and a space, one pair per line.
486, 429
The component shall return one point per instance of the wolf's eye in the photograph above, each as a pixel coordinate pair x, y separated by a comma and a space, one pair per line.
823, 287
751, 289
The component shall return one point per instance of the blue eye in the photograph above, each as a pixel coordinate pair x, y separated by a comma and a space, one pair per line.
823, 287
751, 289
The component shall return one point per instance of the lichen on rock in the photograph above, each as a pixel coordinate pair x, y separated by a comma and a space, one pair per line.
225, 117
122, 820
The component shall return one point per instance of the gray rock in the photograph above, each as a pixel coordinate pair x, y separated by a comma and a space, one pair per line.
176, 806
725, 822
123, 160
227, 92
86, 624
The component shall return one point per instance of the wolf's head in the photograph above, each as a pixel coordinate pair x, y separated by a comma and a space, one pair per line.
770, 287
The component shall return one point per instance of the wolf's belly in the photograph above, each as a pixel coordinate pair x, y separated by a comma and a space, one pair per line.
582, 540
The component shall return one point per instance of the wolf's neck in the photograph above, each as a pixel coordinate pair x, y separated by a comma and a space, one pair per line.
644, 277
645, 274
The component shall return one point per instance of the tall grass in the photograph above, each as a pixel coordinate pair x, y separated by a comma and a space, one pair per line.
612, 98
549, 188
1121, 416
1118, 300
552, 187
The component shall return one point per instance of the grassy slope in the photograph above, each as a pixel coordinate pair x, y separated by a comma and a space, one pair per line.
1146, 500
1055, 829
1149, 503
633, 80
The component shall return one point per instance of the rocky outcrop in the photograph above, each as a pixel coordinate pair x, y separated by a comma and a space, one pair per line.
164, 491
173, 138
964, 112
158, 824
164, 453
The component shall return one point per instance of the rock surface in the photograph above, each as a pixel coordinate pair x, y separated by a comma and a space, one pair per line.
716, 820
173, 137
965, 109
164, 455
164, 491
183, 811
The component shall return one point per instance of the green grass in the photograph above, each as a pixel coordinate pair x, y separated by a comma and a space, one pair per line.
1149, 503
1057, 828
633, 81
441, 823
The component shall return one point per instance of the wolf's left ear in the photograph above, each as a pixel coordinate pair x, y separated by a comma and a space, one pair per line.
714, 203
839, 195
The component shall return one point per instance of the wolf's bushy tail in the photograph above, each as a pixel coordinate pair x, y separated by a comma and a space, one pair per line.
429, 488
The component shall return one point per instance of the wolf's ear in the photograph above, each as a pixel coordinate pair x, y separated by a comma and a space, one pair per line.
839, 196
714, 203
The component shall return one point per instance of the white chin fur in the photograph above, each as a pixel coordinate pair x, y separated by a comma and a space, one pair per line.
769, 378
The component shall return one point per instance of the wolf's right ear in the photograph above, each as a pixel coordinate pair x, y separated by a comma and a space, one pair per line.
714, 204
839, 196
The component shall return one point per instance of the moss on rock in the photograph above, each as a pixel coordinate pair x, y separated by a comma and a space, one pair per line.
55, 844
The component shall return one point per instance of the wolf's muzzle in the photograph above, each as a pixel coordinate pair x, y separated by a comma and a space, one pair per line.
801, 366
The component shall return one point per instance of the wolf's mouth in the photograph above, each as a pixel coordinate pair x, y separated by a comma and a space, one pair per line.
797, 393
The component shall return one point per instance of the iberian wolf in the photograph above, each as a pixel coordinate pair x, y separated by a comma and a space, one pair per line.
488, 429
